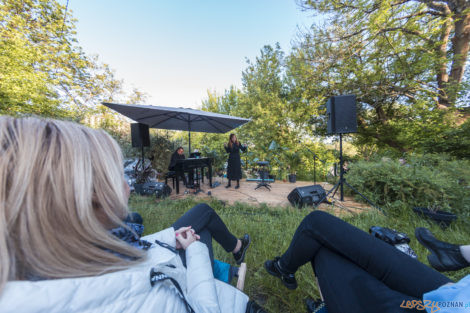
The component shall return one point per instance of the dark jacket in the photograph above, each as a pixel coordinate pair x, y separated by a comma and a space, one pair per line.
234, 167
174, 157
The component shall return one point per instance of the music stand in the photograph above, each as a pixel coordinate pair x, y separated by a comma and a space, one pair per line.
262, 172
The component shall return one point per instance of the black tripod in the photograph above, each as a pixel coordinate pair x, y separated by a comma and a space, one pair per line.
343, 181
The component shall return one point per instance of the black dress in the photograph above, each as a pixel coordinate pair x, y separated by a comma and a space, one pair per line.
234, 168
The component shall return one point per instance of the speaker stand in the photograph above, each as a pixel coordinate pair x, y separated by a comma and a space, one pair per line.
143, 155
342, 181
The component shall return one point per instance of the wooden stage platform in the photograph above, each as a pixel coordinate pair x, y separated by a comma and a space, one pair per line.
276, 197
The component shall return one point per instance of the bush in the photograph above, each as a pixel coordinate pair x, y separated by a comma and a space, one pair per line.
430, 180
454, 141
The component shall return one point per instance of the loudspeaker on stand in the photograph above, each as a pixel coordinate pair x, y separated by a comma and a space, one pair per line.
140, 135
341, 113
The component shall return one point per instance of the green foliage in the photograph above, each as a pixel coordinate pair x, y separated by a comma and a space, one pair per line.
212, 145
277, 115
423, 181
271, 230
44, 71
394, 56
293, 159
160, 151
453, 141
33, 49
417, 42
390, 69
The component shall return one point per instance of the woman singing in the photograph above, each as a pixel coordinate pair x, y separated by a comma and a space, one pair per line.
234, 168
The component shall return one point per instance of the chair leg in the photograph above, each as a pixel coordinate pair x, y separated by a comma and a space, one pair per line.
241, 277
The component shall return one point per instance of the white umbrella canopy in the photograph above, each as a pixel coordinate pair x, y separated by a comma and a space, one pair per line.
178, 118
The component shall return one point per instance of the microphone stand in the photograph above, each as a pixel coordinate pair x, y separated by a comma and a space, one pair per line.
315, 157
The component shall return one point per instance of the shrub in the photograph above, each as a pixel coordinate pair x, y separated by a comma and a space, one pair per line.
435, 180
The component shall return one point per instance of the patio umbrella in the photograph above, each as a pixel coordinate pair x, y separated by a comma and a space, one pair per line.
179, 118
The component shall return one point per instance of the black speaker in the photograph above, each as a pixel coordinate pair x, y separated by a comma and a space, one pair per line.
160, 190
140, 135
341, 112
308, 195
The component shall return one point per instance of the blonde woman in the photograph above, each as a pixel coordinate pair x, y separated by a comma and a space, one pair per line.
61, 191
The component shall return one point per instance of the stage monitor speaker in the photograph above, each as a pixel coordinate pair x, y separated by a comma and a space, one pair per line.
140, 135
308, 195
341, 112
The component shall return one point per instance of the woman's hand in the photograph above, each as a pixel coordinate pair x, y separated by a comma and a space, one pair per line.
185, 236
179, 232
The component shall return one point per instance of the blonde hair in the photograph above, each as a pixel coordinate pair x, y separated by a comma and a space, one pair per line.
60, 184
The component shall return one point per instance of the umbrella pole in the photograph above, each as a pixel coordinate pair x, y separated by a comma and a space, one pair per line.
189, 135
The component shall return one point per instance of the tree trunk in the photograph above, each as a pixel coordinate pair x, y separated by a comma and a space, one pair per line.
442, 75
460, 47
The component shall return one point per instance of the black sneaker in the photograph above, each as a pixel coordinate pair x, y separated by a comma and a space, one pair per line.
240, 255
253, 307
273, 268
228, 186
444, 256
237, 186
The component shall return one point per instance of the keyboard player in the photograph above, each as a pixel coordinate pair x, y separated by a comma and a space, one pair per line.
177, 155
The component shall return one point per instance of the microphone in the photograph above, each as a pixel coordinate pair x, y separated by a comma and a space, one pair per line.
314, 154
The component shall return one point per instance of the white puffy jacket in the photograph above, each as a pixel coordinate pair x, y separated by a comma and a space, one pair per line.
130, 290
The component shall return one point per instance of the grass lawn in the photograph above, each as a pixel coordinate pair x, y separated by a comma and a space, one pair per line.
271, 230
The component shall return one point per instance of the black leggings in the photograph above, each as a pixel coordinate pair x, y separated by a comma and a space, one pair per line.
356, 271
207, 224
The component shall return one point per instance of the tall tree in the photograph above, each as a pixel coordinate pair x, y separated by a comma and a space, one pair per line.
32, 41
437, 31
389, 55
43, 69
277, 113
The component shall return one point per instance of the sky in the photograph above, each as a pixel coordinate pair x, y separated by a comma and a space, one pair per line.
175, 51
